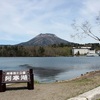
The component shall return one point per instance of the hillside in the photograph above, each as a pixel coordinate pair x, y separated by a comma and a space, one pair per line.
44, 40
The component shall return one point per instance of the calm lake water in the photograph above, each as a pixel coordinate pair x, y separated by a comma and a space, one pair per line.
50, 69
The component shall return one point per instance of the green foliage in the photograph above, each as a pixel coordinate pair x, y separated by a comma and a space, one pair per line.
41, 51
36, 82
78, 53
37, 51
34, 51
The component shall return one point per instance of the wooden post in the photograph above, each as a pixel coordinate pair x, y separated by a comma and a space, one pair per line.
30, 84
2, 85
1, 81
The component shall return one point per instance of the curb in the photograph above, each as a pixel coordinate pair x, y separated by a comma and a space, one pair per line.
90, 95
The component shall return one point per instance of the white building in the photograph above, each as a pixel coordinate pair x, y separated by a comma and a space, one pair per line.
98, 52
82, 51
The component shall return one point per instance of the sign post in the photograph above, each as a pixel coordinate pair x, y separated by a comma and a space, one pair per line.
2, 85
16, 77
30, 84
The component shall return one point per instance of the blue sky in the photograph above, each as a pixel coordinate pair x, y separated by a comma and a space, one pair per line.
22, 20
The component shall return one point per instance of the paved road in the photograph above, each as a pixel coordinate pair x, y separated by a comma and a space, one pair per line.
90, 95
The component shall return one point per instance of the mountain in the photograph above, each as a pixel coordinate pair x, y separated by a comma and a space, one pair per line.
44, 40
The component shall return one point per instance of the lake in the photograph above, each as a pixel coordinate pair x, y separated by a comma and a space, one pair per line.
50, 69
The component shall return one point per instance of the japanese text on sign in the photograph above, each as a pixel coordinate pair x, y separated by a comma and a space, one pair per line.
16, 76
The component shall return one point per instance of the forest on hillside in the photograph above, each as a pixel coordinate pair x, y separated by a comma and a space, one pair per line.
39, 51
35, 51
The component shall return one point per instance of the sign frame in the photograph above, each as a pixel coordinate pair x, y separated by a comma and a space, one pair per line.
15, 76
22, 76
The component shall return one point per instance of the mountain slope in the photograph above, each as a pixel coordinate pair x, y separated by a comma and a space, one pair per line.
44, 40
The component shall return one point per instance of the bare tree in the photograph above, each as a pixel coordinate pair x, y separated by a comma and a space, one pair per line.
86, 29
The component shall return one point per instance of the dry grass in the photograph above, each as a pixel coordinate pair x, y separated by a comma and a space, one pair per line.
55, 91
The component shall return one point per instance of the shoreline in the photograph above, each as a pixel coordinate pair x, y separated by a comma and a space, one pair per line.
87, 74
82, 76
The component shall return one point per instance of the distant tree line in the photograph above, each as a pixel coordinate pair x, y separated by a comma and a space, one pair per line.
41, 51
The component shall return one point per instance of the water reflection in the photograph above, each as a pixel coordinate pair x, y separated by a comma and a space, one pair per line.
47, 69
47, 72
43, 72
50, 74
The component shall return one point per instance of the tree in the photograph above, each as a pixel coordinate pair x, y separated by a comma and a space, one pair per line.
41, 51
86, 28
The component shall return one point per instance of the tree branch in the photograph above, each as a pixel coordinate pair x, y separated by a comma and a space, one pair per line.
84, 28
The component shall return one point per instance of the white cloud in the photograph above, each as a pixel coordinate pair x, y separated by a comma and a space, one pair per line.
20, 15
28, 18
90, 7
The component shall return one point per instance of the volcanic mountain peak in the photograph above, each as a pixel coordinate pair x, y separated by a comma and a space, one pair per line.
46, 35
44, 39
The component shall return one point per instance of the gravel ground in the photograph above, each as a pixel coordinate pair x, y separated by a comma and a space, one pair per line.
53, 91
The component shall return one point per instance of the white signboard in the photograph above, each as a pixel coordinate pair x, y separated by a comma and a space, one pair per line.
15, 76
